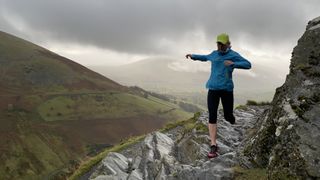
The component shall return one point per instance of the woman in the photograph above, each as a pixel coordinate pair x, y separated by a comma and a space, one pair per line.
220, 84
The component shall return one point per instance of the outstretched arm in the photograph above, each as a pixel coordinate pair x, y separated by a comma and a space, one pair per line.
197, 57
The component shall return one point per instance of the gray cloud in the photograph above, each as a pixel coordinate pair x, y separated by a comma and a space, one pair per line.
137, 26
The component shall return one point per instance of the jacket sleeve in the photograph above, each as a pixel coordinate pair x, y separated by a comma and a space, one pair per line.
241, 63
199, 57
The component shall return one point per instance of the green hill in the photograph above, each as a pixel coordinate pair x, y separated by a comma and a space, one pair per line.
54, 113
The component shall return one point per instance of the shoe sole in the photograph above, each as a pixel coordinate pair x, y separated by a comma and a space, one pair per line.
213, 156
210, 157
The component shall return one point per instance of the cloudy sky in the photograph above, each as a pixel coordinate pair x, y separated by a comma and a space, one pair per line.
115, 32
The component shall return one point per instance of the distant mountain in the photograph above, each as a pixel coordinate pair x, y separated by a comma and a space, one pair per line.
160, 75
55, 112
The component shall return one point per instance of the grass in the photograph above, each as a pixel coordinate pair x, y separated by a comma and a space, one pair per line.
108, 105
254, 103
259, 173
30, 159
187, 124
194, 124
11, 45
160, 101
242, 107
201, 128
254, 173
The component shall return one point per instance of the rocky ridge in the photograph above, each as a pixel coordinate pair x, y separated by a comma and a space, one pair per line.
178, 154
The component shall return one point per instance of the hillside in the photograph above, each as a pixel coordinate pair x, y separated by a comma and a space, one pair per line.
55, 112
29, 69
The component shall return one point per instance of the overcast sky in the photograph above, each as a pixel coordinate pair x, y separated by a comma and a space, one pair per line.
115, 32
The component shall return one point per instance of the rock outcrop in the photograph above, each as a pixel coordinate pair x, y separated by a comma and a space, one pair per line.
181, 154
288, 139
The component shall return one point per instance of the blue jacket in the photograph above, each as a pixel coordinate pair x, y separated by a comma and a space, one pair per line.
221, 75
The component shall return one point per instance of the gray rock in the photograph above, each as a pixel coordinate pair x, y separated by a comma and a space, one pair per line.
288, 140
114, 165
135, 175
189, 150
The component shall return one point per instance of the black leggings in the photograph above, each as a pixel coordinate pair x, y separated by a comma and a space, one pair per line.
213, 104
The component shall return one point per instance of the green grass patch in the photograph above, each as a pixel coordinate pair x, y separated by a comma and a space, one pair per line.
31, 159
201, 128
254, 173
190, 125
254, 103
242, 107
187, 124
194, 124
107, 105
163, 102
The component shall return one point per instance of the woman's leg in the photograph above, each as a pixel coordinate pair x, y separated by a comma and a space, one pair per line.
213, 133
227, 103
213, 104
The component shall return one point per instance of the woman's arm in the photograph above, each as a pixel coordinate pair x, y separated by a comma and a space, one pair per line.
241, 63
197, 57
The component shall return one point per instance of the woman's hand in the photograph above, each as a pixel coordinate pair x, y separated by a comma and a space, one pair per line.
228, 63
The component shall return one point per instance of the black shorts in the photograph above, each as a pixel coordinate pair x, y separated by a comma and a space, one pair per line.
213, 104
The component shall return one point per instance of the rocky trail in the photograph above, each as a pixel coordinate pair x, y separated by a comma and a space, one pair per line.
181, 154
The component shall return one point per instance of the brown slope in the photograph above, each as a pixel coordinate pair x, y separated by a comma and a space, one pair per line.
27, 68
